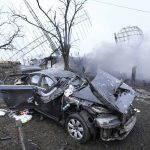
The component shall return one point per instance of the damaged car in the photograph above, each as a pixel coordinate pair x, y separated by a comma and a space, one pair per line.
86, 108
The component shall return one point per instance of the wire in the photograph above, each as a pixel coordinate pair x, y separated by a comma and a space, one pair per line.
121, 6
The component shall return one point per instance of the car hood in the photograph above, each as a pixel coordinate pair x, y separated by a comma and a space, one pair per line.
106, 86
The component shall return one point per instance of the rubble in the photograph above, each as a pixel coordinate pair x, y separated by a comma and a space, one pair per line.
3, 112
23, 116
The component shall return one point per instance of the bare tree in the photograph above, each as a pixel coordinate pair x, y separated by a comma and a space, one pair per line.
62, 27
9, 31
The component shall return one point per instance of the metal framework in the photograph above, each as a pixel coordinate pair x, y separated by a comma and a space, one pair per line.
128, 34
40, 25
38, 44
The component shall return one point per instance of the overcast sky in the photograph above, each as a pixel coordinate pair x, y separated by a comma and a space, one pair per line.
106, 19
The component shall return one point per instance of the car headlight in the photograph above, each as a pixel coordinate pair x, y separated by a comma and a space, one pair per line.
107, 121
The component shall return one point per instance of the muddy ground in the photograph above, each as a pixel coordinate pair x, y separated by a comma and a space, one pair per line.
49, 135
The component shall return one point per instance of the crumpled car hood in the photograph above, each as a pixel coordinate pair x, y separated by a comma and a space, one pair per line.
106, 84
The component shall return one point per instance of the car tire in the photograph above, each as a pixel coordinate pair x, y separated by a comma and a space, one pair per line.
77, 128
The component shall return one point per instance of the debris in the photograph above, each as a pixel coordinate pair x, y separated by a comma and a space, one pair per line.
23, 118
23, 115
3, 112
137, 110
69, 91
24, 112
30, 140
34, 144
5, 138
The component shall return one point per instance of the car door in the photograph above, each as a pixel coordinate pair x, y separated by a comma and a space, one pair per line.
20, 96
35, 79
17, 96
50, 107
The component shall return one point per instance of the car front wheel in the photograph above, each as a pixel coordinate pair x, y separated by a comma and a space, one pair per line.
77, 128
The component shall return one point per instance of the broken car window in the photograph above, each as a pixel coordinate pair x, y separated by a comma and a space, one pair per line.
35, 79
77, 82
17, 79
46, 82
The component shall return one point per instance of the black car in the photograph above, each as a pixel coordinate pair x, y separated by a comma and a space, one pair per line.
86, 108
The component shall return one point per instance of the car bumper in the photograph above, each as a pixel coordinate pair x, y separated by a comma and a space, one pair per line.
115, 130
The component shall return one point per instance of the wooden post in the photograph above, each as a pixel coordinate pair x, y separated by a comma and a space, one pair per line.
21, 135
133, 76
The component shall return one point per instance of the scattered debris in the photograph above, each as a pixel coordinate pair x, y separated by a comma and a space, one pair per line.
23, 115
3, 112
137, 110
30, 140
34, 144
22, 118
5, 138
69, 91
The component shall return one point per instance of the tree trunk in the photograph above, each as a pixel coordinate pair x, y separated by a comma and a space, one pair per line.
65, 55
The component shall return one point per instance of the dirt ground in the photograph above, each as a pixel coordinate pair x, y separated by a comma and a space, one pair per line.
49, 135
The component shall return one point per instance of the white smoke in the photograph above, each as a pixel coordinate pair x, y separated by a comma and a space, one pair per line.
120, 58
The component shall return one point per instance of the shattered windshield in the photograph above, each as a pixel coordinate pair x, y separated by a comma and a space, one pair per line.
77, 82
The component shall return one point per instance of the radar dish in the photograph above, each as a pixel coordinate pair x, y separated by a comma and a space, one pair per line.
130, 35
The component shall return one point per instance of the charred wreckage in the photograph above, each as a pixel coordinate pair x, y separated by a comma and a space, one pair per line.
102, 106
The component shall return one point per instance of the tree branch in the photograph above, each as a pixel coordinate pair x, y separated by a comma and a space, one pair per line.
66, 22
8, 44
52, 22
28, 21
77, 8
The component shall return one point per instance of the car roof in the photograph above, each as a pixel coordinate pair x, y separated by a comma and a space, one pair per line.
58, 73
29, 68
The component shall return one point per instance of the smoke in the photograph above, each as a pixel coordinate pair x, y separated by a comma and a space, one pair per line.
118, 59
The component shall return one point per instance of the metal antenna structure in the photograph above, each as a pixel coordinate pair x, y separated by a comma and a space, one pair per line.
53, 46
37, 46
